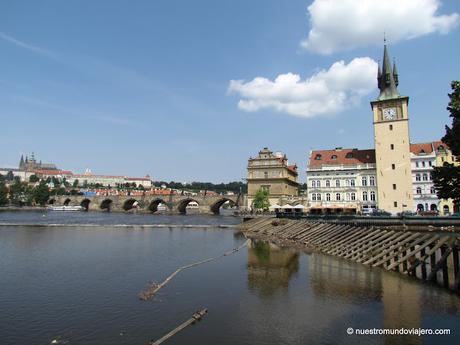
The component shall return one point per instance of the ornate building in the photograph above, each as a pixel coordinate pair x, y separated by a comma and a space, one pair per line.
31, 164
272, 172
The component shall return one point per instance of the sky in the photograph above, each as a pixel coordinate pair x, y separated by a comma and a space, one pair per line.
189, 90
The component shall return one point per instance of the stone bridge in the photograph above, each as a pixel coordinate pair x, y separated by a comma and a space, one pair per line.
175, 203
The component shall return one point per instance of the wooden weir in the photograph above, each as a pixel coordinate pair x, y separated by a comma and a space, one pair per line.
428, 252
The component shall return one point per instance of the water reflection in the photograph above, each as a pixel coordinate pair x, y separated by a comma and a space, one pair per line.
270, 267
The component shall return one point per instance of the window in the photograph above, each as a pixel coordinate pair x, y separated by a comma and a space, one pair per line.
392, 146
395, 204
430, 163
432, 190
353, 196
372, 196
318, 197
417, 177
372, 181
334, 157
328, 183
352, 183
393, 167
347, 197
425, 177
364, 196
265, 174
416, 164
364, 181
313, 183
318, 157
419, 190
349, 155
423, 164
337, 197
391, 127
337, 183
394, 186
313, 197
431, 176
328, 197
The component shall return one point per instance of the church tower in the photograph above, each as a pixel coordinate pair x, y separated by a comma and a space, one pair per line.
391, 138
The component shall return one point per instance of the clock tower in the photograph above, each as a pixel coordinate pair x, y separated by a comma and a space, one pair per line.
392, 144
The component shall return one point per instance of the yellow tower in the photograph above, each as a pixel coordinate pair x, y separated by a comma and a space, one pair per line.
391, 138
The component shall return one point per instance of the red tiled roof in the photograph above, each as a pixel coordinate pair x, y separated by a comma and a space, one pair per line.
53, 172
341, 156
293, 168
417, 149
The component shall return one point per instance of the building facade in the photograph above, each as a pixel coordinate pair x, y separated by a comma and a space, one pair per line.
342, 181
272, 172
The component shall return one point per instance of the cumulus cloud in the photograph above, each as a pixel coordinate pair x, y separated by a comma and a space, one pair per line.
325, 93
345, 24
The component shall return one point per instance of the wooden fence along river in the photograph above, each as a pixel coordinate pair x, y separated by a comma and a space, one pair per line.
429, 253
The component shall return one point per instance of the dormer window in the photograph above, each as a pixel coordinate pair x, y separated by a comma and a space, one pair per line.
440, 148
349, 155
334, 157
318, 157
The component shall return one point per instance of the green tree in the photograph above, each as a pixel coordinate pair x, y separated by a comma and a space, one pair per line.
3, 194
447, 178
20, 194
9, 176
75, 183
261, 200
33, 178
41, 193
2, 178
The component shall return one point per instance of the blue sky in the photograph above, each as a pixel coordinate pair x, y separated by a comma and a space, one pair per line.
187, 91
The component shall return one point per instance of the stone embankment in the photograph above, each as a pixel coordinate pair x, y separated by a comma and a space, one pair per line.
428, 255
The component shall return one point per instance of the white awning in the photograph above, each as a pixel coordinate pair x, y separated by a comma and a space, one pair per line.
287, 206
274, 207
299, 207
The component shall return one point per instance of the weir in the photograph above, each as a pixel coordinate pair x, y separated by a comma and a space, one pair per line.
430, 253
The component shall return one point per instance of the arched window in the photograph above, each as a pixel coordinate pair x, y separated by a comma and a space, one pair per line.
420, 208
425, 177
328, 197
433, 207
364, 181
352, 183
318, 183
318, 157
417, 177
372, 196
353, 196
337, 183
337, 197
364, 196
432, 190
313, 197
372, 181
334, 157
445, 210
328, 183
347, 197
318, 197
423, 164
313, 183
419, 190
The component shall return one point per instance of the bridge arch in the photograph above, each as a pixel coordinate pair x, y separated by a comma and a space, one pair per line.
153, 206
215, 208
106, 204
131, 204
182, 206
51, 201
67, 202
85, 204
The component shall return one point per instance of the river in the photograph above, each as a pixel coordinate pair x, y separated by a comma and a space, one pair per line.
78, 284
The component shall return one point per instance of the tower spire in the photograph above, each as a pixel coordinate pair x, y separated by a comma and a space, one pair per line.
395, 73
386, 82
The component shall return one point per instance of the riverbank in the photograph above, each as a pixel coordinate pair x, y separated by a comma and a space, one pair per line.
429, 256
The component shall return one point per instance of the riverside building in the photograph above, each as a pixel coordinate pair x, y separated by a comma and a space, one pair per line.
272, 172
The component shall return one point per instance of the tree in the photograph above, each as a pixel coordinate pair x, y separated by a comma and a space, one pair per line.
75, 183
261, 200
9, 176
20, 193
447, 178
2, 178
33, 178
41, 193
3, 194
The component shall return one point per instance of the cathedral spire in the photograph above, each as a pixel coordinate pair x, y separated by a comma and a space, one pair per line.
386, 80
395, 73
21, 162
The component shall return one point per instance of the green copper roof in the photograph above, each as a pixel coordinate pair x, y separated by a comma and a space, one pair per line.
386, 79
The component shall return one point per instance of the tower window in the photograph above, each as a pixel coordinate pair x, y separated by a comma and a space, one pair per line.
391, 127
394, 186
395, 204
392, 146
393, 166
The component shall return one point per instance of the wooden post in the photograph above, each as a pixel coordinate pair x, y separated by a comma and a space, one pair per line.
456, 267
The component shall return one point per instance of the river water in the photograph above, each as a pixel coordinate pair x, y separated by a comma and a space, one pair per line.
78, 284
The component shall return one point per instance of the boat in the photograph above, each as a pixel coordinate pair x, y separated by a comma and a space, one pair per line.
66, 208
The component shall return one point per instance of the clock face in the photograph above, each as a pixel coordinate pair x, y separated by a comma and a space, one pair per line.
389, 113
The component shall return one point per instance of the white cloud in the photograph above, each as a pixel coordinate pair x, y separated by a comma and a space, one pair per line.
326, 92
27, 46
345, 24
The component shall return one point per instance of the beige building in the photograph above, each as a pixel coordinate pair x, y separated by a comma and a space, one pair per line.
392, 143
272, 172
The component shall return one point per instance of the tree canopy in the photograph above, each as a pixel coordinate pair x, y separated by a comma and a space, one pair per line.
3, 194
447, 178
261, 200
